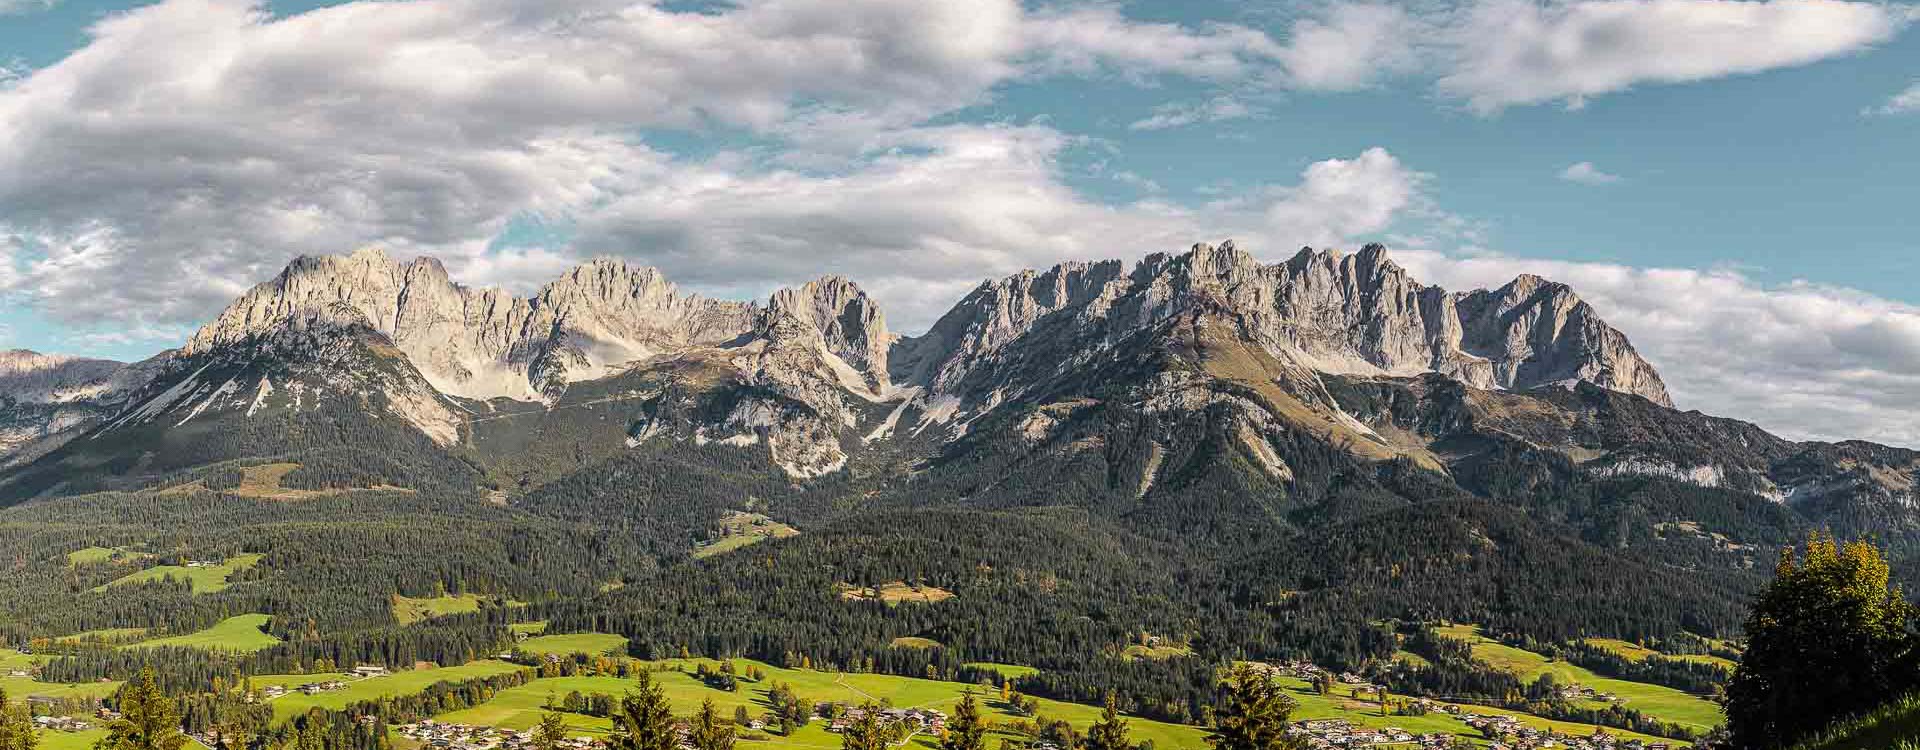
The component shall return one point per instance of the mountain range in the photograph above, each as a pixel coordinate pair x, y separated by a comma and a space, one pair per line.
1345, 349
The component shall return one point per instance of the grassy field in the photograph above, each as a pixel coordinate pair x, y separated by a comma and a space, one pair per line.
70, 740
529, 628
897, 592
409, 610
373, 688
909, 641
1156, 653
18, 688
576, 643
290, 681
1636, 652
204, 580
520, 707
1660, 702
97, 555
744, 529
239, 633
1340, 704
105, 635
1009, 671
1895, 726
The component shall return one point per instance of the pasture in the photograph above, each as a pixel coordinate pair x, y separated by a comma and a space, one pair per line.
241, 633
406, 682
202, 580
1657, 701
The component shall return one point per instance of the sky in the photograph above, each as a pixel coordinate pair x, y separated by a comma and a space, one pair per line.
1731, 182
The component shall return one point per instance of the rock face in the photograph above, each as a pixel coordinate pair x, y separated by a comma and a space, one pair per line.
1322, 310
46, 399
486, 343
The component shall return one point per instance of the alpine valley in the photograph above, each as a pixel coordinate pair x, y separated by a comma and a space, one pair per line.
1120, 476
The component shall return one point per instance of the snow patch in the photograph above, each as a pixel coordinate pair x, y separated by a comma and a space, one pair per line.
260, 395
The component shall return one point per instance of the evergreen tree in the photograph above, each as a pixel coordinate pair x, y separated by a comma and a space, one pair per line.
1110, 733
16, 728
642, 719
710, 732
551, 731
1252, 714
865, 733
1826, 639
966, 731
147, 719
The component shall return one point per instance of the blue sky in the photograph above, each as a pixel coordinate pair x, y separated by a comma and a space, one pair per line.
1708, 172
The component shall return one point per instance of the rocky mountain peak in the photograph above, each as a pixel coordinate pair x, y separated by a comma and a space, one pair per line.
1325, 310
849, 322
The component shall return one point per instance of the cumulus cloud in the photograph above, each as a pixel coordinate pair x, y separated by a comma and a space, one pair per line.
1342, 198
193, 146
1350, 46
1905, 102
1586, 173
1501, 53
1806, 360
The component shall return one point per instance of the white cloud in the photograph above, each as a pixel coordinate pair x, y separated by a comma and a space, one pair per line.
193, 146
1338, 199
1805, 360
1351, 47
1902, 103
1586, 173
1180, 114
1089, 39
1501, 53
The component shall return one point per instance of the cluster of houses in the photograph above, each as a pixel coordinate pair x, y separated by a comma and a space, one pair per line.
61, 724
916, 719
1514, 735
1325, 734
442, 736
204, 563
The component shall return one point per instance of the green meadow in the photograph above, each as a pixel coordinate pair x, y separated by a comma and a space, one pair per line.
203, 580
596, 644
1658, 701
240, 633
520, 707
406, 682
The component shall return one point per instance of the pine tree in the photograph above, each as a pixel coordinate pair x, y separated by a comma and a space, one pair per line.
865, 733
551, 731
147, 720
16, 728
966, 731
1110, 733
642, 719
1252, 714
709, 731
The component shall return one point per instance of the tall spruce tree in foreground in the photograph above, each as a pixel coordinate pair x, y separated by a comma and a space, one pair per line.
1110, 732
1828, 638
147, 719
967, 731
16, 727
865, 733
642, 719
710, 732
551, 731
1252, 714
